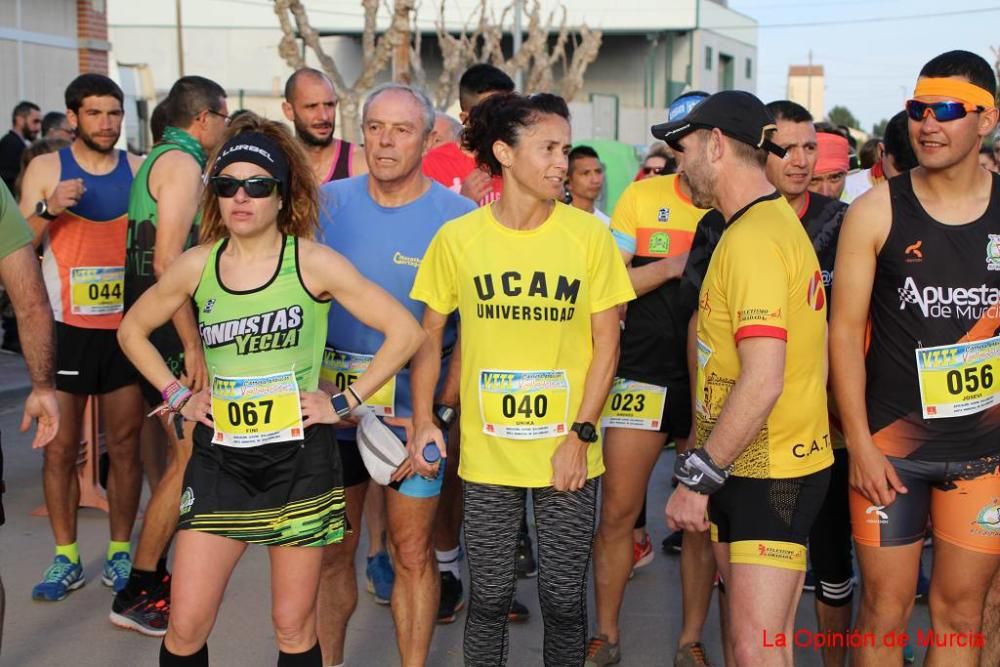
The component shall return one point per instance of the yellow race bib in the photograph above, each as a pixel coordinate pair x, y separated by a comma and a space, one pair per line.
342, 369
255, 411
96, 290
635, 405
958, 380
524, 405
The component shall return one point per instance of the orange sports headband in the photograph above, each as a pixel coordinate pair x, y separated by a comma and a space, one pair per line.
956, 89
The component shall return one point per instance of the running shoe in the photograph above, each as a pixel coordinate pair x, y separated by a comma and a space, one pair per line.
518, 612
809, 583
380, 577
146, 613
601, 652
642, 554
116, 571
452, 600
672, 542
526, 565
691, 655
59, 579
909, 657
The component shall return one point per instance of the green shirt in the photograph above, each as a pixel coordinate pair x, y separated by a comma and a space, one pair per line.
14, 230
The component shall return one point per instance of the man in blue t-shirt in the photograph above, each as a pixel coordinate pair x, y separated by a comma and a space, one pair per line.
382, 223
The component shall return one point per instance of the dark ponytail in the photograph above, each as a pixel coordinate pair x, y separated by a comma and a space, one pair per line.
501, 117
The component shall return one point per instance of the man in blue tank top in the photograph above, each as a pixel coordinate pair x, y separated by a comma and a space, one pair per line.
76, 202
383, 223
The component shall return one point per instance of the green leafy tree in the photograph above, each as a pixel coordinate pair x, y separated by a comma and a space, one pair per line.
840, 115
878, 129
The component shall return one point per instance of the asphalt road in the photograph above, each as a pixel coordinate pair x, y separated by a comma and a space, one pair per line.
76, 631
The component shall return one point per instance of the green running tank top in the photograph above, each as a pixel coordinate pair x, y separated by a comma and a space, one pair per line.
275, 328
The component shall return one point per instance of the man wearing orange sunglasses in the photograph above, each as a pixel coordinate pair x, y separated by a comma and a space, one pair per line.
919, 258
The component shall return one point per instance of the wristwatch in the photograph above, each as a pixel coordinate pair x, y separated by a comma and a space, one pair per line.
445, 414
340, 405
42, 210
585, 430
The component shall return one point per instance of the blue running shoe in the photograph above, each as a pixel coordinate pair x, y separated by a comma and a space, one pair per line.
380, 577
62, 577
117, 570
909, 657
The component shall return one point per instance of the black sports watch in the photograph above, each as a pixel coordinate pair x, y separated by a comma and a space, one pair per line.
585, 430
42, 210
445, 414
340, 405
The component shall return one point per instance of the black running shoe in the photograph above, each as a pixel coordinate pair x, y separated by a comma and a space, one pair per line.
518, 612
145, 613
672, 542
452, 600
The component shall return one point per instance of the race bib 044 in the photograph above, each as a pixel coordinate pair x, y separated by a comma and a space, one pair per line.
524, 405
634, 405
255, 411
96, 290
958, 380
342, 369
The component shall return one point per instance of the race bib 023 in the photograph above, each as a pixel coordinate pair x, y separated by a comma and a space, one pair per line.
342, 369
255, 411
524, 405
96, 290
635, 405
958, 380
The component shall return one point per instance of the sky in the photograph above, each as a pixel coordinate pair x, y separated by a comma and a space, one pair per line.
871, 60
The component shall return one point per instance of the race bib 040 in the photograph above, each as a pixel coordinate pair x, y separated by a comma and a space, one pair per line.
524, 405
96, 290
634, 405
342, 369
958, 380
255, 411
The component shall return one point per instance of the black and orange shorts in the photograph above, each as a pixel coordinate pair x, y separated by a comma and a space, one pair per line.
767, 521
962, 500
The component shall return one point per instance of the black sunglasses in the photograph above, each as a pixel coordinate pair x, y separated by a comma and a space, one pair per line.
256, 187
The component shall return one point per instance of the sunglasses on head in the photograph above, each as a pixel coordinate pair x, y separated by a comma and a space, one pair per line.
256, 187
942, 111
652, 170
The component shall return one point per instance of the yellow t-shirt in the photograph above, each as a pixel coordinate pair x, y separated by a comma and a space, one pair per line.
524, 299
764, 280
653, 219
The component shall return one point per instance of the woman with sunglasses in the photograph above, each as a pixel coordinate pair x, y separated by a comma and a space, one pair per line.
918, 268
537, 285
658, 162
265, 467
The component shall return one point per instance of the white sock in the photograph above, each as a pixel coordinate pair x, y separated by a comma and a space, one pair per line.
448, 561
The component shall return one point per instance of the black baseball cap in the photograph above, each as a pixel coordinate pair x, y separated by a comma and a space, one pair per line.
736, 113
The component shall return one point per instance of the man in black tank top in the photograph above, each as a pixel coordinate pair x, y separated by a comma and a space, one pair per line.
919, 262
311, 105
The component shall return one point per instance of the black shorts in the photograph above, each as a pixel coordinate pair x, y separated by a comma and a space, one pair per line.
281, 494
767, 521
168, 344
830, 539
90, 362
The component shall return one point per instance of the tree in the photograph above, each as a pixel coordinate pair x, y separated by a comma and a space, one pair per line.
840, 115
878, 129
548, 46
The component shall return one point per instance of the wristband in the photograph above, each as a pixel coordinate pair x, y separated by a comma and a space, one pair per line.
354, 394
696, 470
178, 397
169, 389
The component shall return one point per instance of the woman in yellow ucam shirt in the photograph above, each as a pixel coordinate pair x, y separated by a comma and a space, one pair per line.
536, 284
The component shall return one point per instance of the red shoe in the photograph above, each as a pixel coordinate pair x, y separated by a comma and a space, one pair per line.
642, 553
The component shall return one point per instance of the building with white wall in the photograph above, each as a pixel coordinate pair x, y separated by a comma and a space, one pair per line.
652, 50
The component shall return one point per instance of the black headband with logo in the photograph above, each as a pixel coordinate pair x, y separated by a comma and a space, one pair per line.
258, 149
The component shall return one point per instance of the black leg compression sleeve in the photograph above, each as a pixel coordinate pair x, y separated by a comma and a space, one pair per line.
311, 658
197, 659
